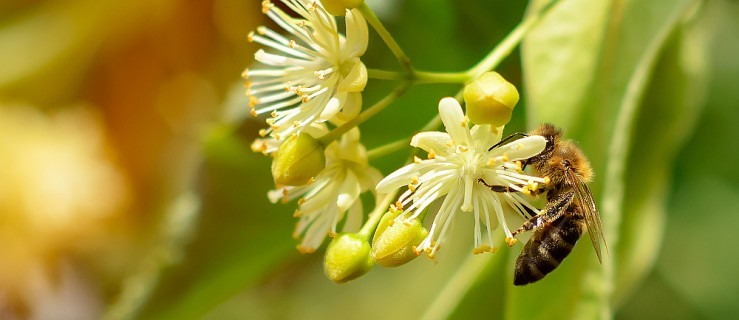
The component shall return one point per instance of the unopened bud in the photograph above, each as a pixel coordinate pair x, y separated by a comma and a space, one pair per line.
347, 258
339, 7
393, 243
490, 99
298, 160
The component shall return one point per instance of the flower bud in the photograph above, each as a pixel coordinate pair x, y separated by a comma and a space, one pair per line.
393, 243
339, 7
490, 99
347, 258
298, 160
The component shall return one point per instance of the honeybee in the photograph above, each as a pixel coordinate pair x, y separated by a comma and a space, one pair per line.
569, 211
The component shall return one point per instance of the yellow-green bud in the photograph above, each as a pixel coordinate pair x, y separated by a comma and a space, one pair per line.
347, 258
298, 160
339, 7
490, 99
393, 243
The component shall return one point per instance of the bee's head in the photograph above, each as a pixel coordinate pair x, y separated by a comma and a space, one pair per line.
552, 135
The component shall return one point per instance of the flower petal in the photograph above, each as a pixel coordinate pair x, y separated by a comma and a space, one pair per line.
451, 115
439, 142
524, 148
356, 79
356, 34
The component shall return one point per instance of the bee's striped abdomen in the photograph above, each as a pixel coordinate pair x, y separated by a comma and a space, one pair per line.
547, 247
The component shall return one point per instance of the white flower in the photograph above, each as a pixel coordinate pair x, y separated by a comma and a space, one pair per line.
314, 76
334, 194
456, 160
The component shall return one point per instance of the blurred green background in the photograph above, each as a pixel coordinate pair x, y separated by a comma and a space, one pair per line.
125, 192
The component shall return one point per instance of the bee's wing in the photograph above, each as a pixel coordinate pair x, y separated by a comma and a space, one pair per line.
590, 211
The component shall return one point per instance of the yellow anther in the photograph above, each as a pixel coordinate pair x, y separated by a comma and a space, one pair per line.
432, 154
250, 36
510, 241
262, 133
296, 214
416, 160
301, 201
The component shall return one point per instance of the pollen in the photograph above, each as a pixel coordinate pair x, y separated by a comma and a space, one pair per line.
399, 205
312, 6
262, 133
462, 148
432, 154
547, 180
266, 6
261, 30
253, 112
510, 241
296, 214
253, 101
414, 180
305, 250
417, 160
301, 201
292, 44
250, 36
412, 187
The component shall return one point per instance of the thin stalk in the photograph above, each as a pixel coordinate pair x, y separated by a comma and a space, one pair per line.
374, 217
440, 77
505, 47
387, 149
376, 24
366, 114
383, 74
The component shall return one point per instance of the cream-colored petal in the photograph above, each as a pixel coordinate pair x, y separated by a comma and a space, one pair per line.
357, 34
356, 79
402, 177
483, 137
454, 121
332, 107
439, 142
524, 148
352, 107
348, 192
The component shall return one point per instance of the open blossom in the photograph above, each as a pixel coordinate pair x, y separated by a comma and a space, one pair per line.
312, 75
334, 193
456, 160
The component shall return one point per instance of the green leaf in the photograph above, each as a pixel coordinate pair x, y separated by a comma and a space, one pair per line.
671, 108
587, 67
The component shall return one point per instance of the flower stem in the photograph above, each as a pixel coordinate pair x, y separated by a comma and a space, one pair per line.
376, 24
440, 77
366, 114
374, 217
383, 74
505, 47
387, 148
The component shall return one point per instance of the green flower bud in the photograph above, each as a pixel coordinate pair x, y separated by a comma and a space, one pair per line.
490, 99
347, 258
298, 160
339, 7
394, 241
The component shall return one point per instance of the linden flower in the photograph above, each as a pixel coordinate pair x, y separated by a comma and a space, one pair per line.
334, 194
312, 77
456, 160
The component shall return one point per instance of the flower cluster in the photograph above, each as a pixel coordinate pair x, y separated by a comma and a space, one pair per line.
457, 159
311, 82
313, 76
333, 194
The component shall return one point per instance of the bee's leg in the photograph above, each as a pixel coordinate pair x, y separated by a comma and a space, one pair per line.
504, 189
496, 187
554, 209
506, 139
